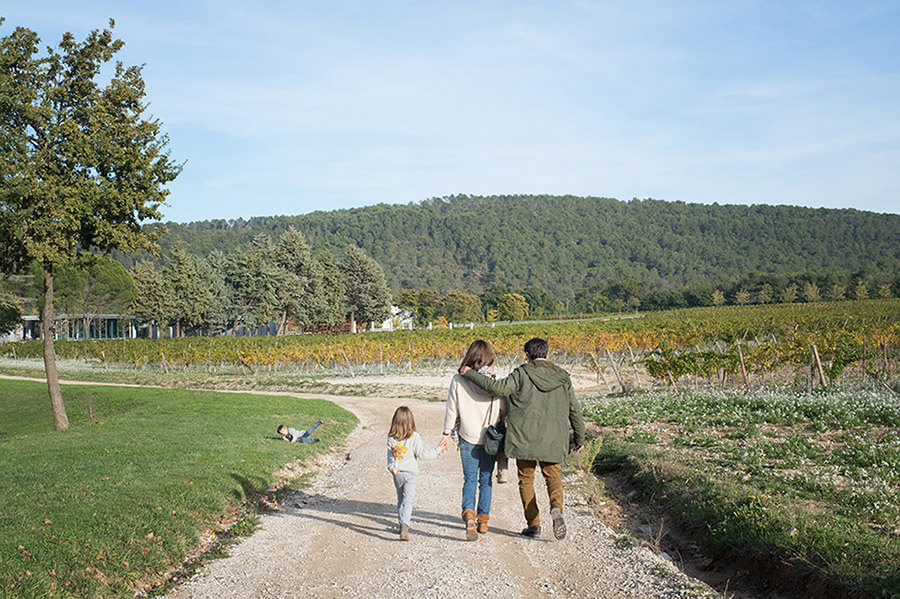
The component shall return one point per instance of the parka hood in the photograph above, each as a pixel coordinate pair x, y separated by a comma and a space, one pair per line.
545, 375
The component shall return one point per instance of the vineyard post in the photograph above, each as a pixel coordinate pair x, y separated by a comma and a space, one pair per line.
672, 379
815, 353
615, 369
409, 349
637, 380
600, 373
743, 368
863, 360
380, 359
884, 354
347, 362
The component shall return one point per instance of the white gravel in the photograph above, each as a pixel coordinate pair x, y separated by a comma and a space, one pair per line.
338, 538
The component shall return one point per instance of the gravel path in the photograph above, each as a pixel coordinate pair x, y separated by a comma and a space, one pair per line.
338, 538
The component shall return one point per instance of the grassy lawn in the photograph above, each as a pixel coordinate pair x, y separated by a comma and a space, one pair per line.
808, 480
126, 492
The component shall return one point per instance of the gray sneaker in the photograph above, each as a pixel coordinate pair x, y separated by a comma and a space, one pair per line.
559, 525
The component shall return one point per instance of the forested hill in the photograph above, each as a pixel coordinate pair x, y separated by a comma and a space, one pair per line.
565, 243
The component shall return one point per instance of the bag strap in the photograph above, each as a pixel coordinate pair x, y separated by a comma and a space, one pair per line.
490, 412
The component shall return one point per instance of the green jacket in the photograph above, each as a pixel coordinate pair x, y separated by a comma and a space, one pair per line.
542, 405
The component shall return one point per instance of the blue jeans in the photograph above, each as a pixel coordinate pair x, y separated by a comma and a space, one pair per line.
477, 468
405, 483
305, 437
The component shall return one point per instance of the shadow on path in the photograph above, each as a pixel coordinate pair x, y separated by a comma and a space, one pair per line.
379, 519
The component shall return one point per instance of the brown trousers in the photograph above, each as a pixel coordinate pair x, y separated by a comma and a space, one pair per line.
552, 476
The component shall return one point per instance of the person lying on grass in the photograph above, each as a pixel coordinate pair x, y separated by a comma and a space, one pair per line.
295, 436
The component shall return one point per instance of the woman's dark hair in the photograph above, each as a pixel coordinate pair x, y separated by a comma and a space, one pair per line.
537, 348
479, 354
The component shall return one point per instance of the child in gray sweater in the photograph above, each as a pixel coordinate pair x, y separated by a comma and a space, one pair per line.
404, 449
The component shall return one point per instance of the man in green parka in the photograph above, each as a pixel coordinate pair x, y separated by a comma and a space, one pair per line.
542, 405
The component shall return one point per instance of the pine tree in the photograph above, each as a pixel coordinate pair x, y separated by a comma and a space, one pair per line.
152, 301
302, 280
368, 297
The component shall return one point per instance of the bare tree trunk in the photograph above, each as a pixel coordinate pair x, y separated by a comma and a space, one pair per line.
60, 420
352, 322
281, 325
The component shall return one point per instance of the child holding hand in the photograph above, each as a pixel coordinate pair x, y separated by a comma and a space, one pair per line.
404, 448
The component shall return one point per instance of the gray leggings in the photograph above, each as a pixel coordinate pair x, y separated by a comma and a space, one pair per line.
405, 483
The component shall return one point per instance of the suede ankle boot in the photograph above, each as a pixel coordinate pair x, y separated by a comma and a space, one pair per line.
468, 517
482, 520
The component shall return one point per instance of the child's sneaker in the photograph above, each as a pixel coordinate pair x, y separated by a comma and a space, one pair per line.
532, 532
404, 532
559, 525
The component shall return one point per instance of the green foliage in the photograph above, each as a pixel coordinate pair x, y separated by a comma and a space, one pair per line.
564, 244
153, 301
333, 296
301, 282
367, 295
10, 313
188, 290
512, 307
460, 306
90, 285
79, 167
125, 493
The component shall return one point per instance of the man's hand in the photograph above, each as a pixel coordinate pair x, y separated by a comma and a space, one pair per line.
395, 470
445, 443
577, 448
463, 369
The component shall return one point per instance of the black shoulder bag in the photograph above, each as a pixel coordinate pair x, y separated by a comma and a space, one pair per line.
493, 436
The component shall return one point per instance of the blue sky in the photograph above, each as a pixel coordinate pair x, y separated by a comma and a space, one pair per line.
291, 107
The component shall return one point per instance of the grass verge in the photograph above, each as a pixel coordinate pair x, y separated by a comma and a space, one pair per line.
804, 485
126, 493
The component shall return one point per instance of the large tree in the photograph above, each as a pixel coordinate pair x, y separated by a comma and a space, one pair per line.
301, 281
80, 165
333, 305
152, 303
512, 307
368, 297
256, 279
190, 290
221, 305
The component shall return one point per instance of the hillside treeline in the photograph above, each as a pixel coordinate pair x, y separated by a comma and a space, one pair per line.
587, 253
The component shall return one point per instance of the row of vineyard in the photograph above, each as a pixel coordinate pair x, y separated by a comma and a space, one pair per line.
709, 343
